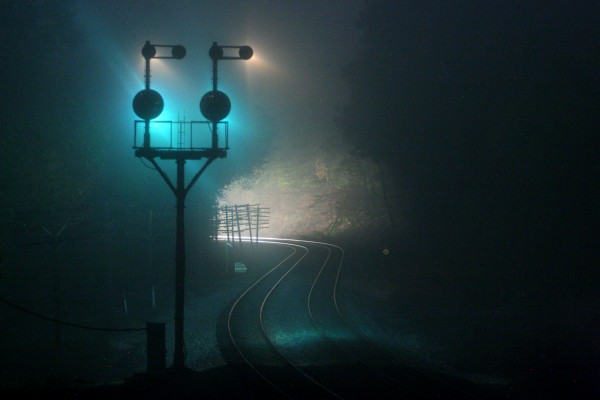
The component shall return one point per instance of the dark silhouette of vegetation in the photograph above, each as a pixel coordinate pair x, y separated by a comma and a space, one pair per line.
483, 116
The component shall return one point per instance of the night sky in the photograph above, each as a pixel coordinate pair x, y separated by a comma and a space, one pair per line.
459, 136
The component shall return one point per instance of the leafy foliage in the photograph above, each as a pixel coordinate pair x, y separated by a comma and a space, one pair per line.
477, 109
320, 190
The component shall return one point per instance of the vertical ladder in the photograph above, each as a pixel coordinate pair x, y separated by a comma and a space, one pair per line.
180, 131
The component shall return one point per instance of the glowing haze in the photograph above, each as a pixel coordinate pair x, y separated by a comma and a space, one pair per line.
284, 99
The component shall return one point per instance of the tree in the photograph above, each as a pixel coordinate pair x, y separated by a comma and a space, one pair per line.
42, 147
483, 112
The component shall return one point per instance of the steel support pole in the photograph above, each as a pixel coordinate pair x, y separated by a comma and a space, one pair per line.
180, 192
215, 135
147, 121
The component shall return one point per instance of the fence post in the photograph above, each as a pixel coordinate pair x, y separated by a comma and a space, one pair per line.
156, 348
249, 222
257, 221
237, 218
227, 223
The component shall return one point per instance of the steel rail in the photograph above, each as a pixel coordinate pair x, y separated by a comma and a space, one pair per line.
347, 324
264, 333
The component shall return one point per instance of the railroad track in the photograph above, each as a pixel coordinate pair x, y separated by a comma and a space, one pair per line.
289, 329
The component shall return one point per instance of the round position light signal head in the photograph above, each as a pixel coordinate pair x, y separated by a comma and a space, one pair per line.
215, 52
148, 51
215, 105
178, 52
148, 104
246, 52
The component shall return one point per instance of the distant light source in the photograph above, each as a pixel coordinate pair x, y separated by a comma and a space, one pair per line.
217, 52
246, 52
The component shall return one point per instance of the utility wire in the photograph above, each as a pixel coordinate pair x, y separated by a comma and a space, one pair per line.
2, 300
146, 165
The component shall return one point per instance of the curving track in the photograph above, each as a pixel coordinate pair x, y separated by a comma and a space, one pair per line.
288, 328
